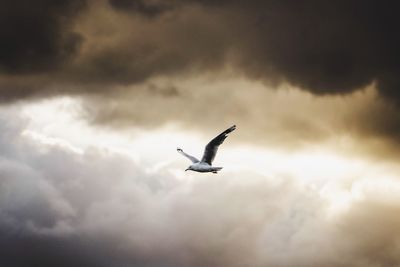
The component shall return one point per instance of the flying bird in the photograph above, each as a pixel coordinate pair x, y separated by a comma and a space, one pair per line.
205, 164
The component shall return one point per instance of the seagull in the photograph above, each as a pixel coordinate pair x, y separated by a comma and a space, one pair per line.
205, 164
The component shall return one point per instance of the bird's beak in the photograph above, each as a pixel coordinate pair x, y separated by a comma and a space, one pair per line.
187, 169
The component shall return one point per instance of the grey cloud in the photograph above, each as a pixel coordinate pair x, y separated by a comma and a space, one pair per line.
321, 46
147, 8
35, 37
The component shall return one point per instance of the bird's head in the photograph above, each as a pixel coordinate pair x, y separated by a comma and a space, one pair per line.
189, 168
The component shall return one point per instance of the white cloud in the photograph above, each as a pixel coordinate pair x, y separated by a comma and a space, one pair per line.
128, 199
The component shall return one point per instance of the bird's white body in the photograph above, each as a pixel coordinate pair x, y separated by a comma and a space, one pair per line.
204, 165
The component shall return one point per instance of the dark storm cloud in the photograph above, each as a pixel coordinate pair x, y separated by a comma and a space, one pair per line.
109, 47
35, 36
147, 8
326, 46
321, 46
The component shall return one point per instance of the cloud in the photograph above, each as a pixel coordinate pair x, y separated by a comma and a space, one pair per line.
35, 36
284, 117
319, 46
151, 63
102, 208
147, 8
114, 49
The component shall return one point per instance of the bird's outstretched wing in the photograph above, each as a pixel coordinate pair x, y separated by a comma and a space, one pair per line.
212, 147
193, 159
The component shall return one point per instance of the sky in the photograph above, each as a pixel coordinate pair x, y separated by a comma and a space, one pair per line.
96, 95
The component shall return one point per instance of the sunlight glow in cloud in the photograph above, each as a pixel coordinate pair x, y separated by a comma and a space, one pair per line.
65, 179
56, 123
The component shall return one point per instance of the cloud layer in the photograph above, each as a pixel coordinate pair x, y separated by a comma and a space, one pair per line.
291, 74
102, 208
116, 50
321, 46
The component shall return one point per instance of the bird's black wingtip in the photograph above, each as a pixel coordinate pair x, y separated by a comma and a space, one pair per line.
230, 129
178, 149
